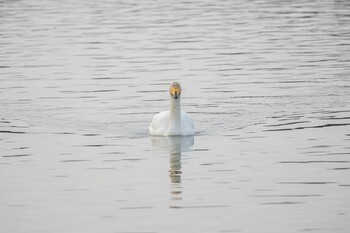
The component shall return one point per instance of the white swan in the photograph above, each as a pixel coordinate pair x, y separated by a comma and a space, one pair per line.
173, 122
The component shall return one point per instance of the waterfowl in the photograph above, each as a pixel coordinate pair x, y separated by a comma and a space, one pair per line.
173, 122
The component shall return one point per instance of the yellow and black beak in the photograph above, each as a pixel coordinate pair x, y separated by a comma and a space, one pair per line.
175, 90
176, 95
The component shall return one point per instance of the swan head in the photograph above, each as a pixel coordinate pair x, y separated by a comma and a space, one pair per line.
175, 90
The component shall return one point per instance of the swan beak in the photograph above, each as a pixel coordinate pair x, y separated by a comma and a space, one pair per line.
175, 90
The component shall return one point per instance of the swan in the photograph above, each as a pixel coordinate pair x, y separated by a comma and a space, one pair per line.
173, 122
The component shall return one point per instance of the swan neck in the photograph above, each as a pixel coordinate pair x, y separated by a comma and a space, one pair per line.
175, 111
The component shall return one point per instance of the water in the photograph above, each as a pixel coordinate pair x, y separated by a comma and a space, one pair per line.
266, 82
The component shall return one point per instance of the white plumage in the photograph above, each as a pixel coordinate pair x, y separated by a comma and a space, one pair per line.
173, 122
162, 126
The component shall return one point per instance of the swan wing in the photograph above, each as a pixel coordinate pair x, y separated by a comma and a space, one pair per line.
187, 126
160, 124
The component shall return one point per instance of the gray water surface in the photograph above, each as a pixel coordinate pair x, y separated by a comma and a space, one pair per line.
266, 83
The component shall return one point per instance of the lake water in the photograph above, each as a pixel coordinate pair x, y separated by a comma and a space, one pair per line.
267, 84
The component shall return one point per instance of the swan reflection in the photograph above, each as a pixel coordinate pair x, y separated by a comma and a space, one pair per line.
174, 145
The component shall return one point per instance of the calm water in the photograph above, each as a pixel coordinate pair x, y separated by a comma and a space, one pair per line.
266, 82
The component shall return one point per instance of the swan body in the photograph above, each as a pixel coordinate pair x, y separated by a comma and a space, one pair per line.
161, 125
173, 122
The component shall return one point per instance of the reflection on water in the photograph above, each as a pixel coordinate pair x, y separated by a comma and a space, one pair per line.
174, 145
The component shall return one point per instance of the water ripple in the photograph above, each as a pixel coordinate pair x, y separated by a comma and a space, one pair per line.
266, 83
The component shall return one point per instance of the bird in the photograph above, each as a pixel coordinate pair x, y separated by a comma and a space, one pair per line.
173, 122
